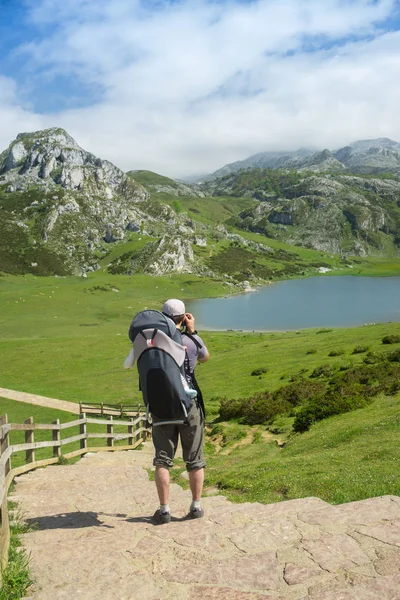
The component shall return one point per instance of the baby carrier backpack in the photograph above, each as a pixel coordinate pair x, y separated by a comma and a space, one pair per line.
160, 356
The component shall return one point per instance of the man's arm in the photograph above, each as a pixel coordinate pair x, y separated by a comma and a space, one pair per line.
203, 355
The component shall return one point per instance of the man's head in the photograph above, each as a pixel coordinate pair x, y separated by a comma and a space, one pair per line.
175, 310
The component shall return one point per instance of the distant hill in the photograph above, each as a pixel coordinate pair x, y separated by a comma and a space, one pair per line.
160, 184
380, 155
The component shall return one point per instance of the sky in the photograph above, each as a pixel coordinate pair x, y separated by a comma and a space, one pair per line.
182, 87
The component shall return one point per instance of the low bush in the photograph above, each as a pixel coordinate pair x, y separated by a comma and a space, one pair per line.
372, 358
338, 352
345, 366
260, 371
391, 339
231, 409
394, 356
263, 408
296, 393
323, 406
360, 349
322, 371
311, 351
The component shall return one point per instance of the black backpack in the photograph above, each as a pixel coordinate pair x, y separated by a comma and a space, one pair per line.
160, 356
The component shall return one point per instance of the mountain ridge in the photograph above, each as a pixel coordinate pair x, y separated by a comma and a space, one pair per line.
64, 211
356, 155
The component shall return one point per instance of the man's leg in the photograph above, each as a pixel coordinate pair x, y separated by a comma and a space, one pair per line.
192, 438
196, 480
165, 440
162, 484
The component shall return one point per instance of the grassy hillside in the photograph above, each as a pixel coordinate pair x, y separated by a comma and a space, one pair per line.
344, 458
67, 338
150, 178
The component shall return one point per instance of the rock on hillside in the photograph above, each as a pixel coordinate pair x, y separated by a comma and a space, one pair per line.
61, 206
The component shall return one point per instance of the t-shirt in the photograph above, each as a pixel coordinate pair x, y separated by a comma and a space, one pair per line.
193, 351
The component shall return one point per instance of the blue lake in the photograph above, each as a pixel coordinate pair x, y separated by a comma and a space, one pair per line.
303, 303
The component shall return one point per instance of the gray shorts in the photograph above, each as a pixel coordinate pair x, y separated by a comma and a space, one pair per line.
165, 440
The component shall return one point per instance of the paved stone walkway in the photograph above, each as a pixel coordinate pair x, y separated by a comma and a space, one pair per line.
71, 407
95, 541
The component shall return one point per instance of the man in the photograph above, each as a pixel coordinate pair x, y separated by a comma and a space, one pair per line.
165, 437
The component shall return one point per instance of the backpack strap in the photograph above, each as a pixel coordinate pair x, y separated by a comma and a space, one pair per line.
191, 336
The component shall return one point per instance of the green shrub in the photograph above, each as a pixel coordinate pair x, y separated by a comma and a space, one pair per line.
260, 371
394, 356
372, 358
324, 331
360, 349
231, 409
337, 352
321, 407
345, 366
298, 392
263, 408
391, 339
322, 371
311, 351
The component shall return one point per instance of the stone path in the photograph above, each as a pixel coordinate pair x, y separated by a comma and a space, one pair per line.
71, 407
95, 541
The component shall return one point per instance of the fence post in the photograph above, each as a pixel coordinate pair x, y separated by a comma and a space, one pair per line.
82, 430
130, 432
56, 436
102, 409
110, 429
29, 439
4, 444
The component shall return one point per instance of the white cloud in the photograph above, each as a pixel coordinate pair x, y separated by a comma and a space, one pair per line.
190, 86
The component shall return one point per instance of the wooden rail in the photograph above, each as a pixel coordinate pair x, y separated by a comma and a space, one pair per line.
114, 410
135, 435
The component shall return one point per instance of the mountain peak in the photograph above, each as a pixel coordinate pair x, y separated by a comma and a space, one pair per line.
55, 135
383, 142
52, 156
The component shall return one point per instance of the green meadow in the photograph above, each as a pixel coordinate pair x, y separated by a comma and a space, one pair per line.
67, 338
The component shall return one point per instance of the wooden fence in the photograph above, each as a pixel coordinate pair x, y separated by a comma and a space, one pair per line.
136, 433
114, 410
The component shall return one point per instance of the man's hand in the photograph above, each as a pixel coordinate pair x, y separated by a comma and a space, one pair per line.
189, 322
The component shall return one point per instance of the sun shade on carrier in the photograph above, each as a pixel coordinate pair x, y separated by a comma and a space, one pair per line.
160, 360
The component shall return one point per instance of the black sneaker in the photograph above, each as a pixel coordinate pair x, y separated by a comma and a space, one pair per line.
160, 518
196, 513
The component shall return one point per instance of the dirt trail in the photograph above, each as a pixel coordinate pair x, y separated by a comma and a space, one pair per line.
71, 407
95, 540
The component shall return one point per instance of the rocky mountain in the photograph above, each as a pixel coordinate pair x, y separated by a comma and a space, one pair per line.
64, 211
61, 207
262, 160
339, 213
380, 155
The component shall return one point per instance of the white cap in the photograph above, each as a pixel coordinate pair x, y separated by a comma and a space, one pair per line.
174, 308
